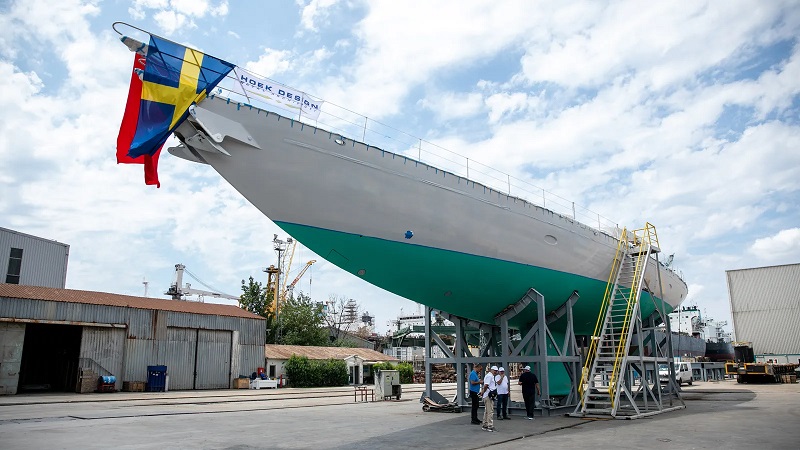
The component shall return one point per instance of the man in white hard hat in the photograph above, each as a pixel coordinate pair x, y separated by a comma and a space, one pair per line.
488, 394
503, 391
530, 388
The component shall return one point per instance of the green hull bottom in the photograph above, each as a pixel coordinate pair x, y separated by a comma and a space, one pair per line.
471, 286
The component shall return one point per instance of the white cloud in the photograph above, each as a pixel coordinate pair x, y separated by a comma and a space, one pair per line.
625, 37
50, 20
314, 11
137, 9
220, 10
452, 105
170, 21
270, 63
195, 8
151, 4
395, 51
174, 15
503, 104
782, 247
137, 14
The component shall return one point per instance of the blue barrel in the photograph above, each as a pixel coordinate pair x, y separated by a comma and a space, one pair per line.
108, 379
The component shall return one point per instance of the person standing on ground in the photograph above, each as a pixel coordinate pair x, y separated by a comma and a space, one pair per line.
503, 392
530, 388
488, 393
474, 390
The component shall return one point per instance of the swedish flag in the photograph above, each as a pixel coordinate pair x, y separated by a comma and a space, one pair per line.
174, 78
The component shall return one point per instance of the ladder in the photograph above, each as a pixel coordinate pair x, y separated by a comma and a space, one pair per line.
603, 383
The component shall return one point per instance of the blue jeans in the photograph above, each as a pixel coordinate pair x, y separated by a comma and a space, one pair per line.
502, 405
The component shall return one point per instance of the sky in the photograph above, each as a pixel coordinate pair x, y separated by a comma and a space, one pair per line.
682, 114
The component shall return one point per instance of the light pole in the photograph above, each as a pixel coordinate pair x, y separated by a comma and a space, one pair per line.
280, 246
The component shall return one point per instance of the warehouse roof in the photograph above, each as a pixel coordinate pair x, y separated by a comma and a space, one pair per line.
273, 351
124, 301
6, 230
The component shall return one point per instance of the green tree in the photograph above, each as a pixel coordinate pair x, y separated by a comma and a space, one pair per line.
406, 372
344, 342
257, 300
301, 322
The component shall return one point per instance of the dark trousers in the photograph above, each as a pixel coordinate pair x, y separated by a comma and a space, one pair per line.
476, 401
502, 405
530, 400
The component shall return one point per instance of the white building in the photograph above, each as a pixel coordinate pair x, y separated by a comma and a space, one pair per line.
359, 360
31, 260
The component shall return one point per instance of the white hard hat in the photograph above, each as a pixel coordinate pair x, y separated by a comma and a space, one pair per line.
493, 368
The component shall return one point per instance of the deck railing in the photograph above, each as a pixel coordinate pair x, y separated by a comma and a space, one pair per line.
352, 125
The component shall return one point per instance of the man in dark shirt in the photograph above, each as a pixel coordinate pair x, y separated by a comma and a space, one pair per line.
530, 388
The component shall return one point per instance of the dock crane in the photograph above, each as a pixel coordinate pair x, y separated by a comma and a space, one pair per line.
177, 291
291, 285
288, 267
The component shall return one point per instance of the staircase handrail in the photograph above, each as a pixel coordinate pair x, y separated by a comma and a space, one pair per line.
643, 238
612, 278
631, 300
89, 363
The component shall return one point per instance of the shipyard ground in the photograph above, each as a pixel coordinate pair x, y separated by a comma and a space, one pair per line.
718, 415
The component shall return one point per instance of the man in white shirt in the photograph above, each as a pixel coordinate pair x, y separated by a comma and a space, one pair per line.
503, 391
488, 394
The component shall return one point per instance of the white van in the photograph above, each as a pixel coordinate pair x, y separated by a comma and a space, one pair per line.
683, 373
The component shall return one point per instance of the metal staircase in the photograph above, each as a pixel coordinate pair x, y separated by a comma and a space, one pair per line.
614, 381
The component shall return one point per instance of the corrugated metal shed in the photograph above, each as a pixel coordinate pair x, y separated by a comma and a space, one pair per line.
203, 345
44, 262
765, 305
127, 301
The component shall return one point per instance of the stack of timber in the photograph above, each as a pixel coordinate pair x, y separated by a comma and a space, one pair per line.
442, 373
133, 386
87, 381
785, 372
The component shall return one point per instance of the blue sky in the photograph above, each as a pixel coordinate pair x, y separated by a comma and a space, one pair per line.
681, 114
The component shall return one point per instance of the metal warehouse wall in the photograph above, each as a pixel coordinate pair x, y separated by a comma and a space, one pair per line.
105, 346
12, 338
765, 304
44, 262
224, 346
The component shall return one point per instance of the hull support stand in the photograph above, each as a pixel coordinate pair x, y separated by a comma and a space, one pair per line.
501, 343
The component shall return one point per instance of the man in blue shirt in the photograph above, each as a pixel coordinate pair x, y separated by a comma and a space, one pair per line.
474, 389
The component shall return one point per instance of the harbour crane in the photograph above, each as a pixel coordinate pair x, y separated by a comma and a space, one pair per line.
288, 268
177, 291
291, 285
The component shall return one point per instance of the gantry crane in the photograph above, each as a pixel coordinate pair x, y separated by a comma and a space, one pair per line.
177, 291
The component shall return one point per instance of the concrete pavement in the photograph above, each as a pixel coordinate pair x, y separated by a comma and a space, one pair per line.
718, 414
